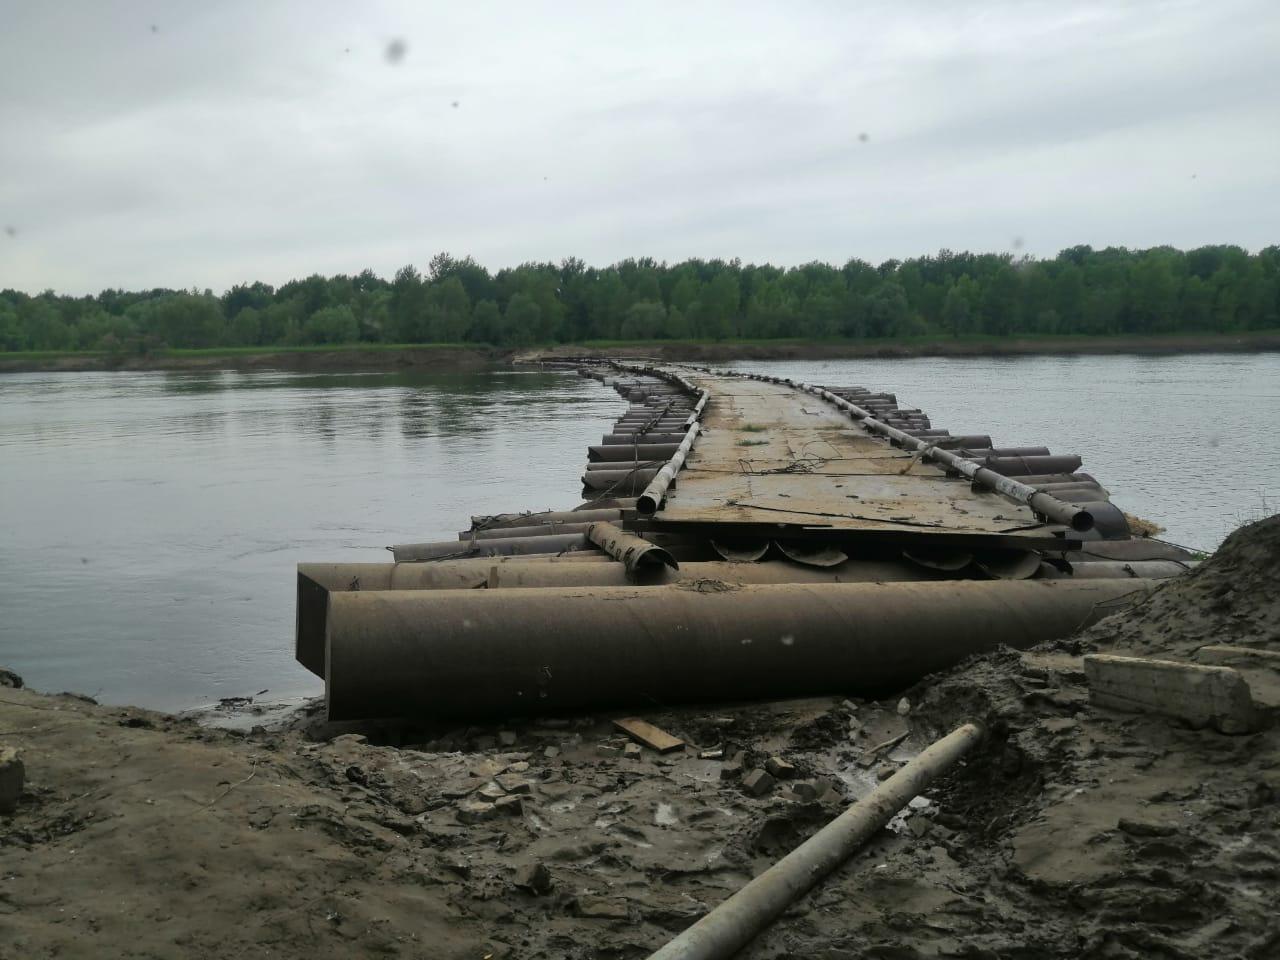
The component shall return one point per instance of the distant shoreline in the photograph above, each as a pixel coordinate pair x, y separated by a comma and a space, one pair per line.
437, 357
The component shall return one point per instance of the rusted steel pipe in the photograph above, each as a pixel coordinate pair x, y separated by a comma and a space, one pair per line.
500, 521
1119, 569
634, 554
550, 529
1046, 505
733, 924
317, 580
639, 451
500, 546
626, 464
611, 439
624, 481
1018, 466
499, 652
648, 502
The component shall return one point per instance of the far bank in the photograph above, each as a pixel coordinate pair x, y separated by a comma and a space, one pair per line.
427, 357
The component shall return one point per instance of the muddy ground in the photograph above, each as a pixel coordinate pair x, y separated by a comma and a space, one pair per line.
1075, 832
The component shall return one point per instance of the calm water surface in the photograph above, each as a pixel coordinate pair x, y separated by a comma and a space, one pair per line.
150, 522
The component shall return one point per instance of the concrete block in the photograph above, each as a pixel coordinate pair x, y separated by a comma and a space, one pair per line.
1200, 696
780, 768
1244, 656
476, 811
758, 782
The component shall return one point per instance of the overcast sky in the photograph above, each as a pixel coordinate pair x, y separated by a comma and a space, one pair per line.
204, 144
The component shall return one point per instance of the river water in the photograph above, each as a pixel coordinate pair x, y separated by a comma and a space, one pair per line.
150, 522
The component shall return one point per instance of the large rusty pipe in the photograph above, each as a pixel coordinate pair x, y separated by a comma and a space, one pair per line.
550, 529
1119, 569
639, 451
626, 464
1018, 466
648, 502
630, 481
634, 554
499, 521
1046, 505
611, 439
317, 580
501, 546
736, 922
495, 653
1010, 452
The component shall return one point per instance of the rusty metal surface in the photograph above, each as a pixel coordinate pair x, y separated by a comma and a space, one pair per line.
770, 454
502, 652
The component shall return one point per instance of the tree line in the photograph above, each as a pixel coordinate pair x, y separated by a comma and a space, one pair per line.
1213, 289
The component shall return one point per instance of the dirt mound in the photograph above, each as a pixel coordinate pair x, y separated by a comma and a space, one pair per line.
1235, 594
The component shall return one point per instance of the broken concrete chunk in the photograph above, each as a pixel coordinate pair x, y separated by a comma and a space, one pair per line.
732, 768
780, 768
758, 782
1145, 828
1199, 696
492, 791
514, 783
631, 751
904, 707
476, 811
12, 776
601, 908
804, 790
534, 877
885, 771
551, 752
1244, 656
512, 805
608, 750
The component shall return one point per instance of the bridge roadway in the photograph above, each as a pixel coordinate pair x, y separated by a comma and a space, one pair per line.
772, 454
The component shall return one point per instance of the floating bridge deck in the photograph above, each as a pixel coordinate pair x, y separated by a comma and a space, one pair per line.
741, 536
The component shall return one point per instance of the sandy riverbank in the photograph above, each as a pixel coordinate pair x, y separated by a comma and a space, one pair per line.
1076, 832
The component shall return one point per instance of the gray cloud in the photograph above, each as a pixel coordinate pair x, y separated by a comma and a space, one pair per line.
266, 141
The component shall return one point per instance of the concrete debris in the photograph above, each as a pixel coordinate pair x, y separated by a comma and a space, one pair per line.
1201, 696
780, 768
476, 811
534, 877
758, 782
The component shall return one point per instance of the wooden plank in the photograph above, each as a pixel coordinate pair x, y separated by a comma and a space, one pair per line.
648, 734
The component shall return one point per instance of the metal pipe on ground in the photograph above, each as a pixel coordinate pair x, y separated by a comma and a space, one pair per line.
648, 502
317, 580
496, 653
501, 546
736, 922
500, 521
638, 451
634, 554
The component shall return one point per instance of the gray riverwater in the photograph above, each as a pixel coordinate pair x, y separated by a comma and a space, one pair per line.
150, 522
